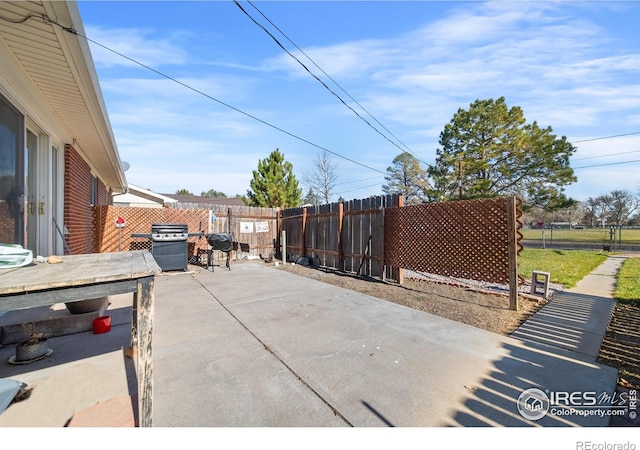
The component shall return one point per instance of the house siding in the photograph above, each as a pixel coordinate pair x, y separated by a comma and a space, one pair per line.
78, 210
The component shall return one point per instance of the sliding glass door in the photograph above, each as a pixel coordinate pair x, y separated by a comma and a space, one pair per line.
12, 175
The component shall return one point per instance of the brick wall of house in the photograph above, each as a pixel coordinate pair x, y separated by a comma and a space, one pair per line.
78, 209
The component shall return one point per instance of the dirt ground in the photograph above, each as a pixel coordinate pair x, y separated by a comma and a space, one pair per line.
620, 347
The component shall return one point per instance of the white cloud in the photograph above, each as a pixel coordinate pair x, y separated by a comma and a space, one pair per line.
136, 44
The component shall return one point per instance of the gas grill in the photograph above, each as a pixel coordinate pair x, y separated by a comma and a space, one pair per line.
169, 245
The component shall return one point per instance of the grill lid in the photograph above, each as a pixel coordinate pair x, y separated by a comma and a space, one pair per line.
169, 232
220, 241
169, 228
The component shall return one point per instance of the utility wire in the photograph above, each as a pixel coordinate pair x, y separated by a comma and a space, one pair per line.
329, 77
363, 187
24, 19
607, 164
356, 181
313, 75
606, 137
73, 31
605, 156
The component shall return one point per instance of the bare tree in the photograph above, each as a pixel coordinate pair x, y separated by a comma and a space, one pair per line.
621, 206
598, 209
321, 179
573, 214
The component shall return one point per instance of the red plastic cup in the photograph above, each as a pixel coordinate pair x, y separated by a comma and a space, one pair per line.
101, 324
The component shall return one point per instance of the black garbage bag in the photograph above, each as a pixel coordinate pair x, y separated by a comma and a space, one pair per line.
220, 241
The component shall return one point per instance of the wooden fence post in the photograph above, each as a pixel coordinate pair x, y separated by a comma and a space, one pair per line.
276, 239
512, 248
381, 266
340, 249
304, 232
400, 272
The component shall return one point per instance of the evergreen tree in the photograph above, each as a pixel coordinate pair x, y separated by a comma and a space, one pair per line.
311, 198
274, 185
183, 192
489, 150
213, 193
407, 177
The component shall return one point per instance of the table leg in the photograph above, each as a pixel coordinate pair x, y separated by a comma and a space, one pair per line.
143, 323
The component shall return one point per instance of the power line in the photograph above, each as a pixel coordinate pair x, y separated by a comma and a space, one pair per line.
46, 19
607, 164
331, 78
606, 137
312, 74
363, 187
605, 156
356, 181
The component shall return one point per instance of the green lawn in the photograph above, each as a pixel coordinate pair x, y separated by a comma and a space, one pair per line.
631, 236
628, 284
566, 267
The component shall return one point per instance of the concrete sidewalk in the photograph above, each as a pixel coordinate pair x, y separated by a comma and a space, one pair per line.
577, 319
260, 347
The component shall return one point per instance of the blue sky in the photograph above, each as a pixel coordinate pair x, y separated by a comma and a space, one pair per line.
574, 66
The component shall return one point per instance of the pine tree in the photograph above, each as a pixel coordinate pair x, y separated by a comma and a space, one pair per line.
274, 185
490, 150
406, 177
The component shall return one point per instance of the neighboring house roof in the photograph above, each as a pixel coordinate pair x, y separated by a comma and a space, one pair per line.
137, 196
230, 201
68, 89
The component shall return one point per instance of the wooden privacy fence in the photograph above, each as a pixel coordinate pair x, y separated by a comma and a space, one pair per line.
476, 239
346, 236
253, 229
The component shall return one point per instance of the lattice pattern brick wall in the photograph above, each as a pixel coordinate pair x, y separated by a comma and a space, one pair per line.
465, 239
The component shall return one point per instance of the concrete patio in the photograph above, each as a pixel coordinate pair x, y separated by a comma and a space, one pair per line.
260, 347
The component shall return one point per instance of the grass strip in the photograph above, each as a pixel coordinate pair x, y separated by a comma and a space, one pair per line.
566, 267
628, 282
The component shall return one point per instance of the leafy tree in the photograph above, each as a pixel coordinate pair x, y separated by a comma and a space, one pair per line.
213, 193
183, 192
274, 184
407, 177
489, 150
243, 198
322, 177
